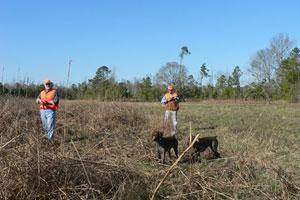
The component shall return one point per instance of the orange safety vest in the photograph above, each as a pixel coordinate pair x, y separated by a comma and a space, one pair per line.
171, 105
48, 96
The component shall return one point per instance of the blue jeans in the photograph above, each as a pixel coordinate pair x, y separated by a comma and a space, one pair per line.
48, 119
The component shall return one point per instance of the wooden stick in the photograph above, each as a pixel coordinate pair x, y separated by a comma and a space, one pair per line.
38, 162
85, 172
174, 164
190, 132
220, 193
7, 143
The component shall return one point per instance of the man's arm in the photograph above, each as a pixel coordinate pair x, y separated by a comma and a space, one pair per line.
163, 100
55, 100
38, 99
177, 99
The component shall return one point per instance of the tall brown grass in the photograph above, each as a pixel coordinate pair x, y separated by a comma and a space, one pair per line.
106, 152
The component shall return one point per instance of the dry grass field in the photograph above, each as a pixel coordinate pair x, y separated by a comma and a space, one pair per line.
106, 152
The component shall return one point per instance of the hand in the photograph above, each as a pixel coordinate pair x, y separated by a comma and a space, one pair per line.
44, 102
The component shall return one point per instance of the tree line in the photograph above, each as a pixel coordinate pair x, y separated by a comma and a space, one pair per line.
274, 72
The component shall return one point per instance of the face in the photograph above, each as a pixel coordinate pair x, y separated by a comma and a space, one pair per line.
171, 91
47, 86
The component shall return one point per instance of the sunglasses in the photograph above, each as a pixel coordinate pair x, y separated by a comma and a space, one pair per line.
48, 84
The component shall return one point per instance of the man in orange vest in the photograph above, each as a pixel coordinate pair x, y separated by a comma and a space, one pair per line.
170, 101
48, 100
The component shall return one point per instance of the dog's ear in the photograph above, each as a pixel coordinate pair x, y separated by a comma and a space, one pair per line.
160, 133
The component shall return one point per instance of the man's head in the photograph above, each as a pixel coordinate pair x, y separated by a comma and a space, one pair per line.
48, 84
171, 88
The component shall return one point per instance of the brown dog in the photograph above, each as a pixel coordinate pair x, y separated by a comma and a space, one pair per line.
203, 143
164, 144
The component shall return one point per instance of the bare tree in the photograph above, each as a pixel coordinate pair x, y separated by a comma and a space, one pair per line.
262, 66
263, 70
172, 72
280, 47
266, 62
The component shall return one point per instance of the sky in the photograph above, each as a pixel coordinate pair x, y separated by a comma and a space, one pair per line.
135, 38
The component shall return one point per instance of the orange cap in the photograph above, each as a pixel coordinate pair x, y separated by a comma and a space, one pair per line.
47, 81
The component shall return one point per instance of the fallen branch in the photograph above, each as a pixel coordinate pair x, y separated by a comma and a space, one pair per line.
85, 172
7, 143
190, 132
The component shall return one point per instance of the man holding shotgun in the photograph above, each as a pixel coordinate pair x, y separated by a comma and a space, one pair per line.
170, 101
48, 100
